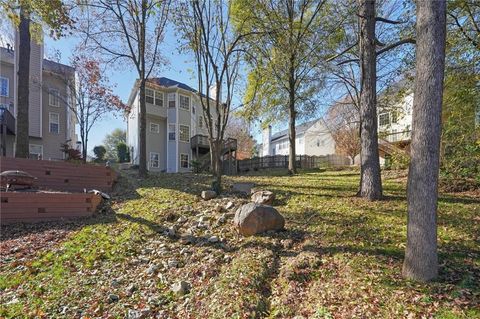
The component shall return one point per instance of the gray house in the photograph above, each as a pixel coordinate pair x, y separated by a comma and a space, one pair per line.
176, 131
51, 121
312, 138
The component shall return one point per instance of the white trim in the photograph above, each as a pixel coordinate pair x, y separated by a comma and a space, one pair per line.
150, 160
157, 131
177, 120
50, 122
41, 148
188, 130
188, 160
8, 86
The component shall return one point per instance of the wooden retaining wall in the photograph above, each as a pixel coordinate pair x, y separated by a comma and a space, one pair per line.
39, 206
61, 175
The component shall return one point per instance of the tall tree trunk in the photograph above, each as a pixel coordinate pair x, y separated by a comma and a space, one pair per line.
143, 132
292, 169
22, 134
421, 261
371, 182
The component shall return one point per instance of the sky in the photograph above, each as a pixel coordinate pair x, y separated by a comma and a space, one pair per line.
123, 78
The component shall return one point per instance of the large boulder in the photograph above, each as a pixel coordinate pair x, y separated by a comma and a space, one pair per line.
253, 218
263, 197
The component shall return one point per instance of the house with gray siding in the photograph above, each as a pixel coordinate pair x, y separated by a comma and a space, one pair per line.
174, 116
312, 138
51, 121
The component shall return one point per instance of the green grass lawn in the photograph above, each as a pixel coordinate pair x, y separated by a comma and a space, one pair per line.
340, 256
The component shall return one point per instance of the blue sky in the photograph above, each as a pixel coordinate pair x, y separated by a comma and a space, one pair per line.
177, 68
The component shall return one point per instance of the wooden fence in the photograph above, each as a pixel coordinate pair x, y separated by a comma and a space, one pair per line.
302, 161
61, 175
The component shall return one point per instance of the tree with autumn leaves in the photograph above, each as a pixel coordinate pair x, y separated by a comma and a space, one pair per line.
91, 97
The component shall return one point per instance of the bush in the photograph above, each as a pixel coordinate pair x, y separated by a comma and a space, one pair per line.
99, 152
123, 154
196, 166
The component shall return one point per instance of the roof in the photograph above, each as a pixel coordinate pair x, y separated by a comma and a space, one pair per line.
168, 83
299, 129
48, 65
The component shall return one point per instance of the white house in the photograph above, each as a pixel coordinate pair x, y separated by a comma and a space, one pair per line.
312, 138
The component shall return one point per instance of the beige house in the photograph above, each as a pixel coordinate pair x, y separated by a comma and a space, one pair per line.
176, 132
51, 121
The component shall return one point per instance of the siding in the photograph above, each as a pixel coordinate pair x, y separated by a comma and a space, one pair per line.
157, 142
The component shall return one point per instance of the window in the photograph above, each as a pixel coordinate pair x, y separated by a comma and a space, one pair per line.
54, 123
200, 122
171, 132
158, 98
184, 160
53, 98
193, 109
35, 151
184, 102
3, 86
149, 96
154, 160
395, 116
154, 127
320, 143
171, 100
184, 133
383, 119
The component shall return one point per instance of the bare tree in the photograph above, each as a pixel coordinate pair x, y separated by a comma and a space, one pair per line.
91, 96
206, 27
128, 31
421, 260
342, 120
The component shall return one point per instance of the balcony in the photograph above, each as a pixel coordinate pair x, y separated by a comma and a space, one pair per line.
7, 122
201, 142
396, 137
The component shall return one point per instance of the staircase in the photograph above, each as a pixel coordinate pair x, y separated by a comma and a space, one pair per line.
200, 142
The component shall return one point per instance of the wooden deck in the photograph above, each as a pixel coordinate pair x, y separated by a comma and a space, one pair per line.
63, 176
42, 206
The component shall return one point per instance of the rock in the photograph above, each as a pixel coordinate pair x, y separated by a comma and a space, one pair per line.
229, 205
206, 195
181, 288
130, 289
213, 239
244, 188
263, 197
138, 314
187, 239
115, 283
221, 219
113, 298
172, 263
171, 232
152, 269
181, 220
253, 218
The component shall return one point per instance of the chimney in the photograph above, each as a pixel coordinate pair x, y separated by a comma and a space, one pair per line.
267, 137
212, 90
